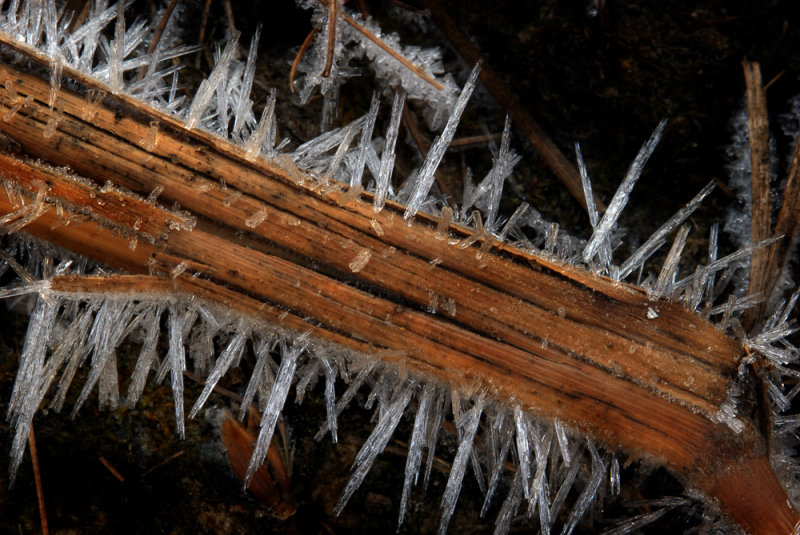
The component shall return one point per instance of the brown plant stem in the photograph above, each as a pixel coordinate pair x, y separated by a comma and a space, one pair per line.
761, 221
37, 477
432, 296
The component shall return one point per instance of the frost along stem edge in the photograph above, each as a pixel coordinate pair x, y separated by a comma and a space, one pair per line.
440, 300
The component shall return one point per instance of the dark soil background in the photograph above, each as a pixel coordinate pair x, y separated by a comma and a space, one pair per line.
604, 80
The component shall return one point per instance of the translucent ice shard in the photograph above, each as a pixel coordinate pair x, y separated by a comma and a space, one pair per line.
277, 398
502, 167
635, 523
375, 444
261, 378
666, 278
209, 86
24, 397
657, 238
437, 415
242, 105
330, 369
366, 140
523, 449
510, 505
620, 199
344, 146
179, 320
110, 325
589, 492
564, 489
418, 436
264, 132
613, 477
469, 425
116, 51
438, 148
563, 441
348, 395
387, 157
151, 325
501, 434
231, 353
605, 248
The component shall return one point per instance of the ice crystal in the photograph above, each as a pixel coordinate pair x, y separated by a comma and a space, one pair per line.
549, 465
387, 157
620, 199
468, 426
274, 405
28, 391
210, 86
425, 176
232, 353
365, 143
418, 438
588, 494
390, 414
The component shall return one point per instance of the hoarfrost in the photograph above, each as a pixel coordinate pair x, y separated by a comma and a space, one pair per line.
469, 426
620, 199
390, 415
209, 86
418, 438
366, 140
277, 398
231, 354
425, 176
383, 180
589, 492
261, 141
331, 372
27, 392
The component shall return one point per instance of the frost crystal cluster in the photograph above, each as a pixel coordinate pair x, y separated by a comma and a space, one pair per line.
552, 467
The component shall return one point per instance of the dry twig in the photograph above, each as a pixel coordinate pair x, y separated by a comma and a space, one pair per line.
762, 202
37, 477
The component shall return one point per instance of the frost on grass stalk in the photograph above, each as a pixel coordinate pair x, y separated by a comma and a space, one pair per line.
392, 309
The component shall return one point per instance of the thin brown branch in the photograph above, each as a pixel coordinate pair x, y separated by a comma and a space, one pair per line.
471, 141
333, 16
229, 17
541, 142
299, 56
162, 464
37, 478
787, 224
110, 467
392, 52
761, 198
202, 36
362, 6
218, 389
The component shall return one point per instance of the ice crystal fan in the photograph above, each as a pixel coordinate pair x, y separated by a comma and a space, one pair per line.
313, 269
